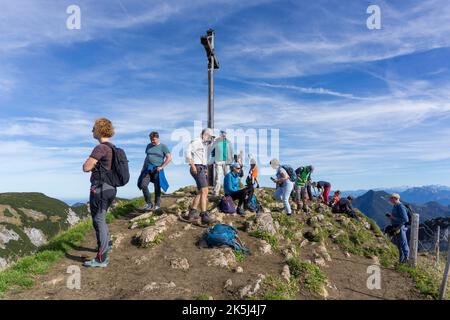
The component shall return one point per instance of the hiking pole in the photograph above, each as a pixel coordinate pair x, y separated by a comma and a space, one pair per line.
443, 287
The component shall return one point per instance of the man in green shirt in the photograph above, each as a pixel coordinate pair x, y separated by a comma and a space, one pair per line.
222, 155
303, 178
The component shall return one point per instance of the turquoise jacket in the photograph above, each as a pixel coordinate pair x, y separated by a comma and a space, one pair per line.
230, 183
222, 151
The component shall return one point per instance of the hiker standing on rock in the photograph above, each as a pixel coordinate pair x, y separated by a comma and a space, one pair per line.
222, 154
399, 219
324, 187
252, 180
197, 153
102, 194
284, 185
157, 158
300, 186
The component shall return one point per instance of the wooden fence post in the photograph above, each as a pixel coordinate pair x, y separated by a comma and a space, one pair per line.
443, 287
414, 240
437, 244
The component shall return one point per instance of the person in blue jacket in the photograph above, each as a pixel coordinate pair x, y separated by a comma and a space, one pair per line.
399, 219
231, 186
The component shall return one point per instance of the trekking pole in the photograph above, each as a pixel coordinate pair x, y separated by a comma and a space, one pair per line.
443, 287
413, 243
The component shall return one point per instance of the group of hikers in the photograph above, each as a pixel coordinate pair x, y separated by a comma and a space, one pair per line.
109, 169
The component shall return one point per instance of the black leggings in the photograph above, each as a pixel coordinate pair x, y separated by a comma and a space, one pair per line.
154, 178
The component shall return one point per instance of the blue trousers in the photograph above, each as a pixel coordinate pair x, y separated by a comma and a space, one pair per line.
282, 194
401, 241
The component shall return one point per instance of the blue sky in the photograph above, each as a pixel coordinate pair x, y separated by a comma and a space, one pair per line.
369, 108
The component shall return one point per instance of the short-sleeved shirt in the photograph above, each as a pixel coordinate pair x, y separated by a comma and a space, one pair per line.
156, 154
281, 173
103, 154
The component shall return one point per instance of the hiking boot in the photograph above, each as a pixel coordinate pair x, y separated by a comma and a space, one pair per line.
147, 207
240, 211
206, 219
94, 263
157, 203
193, 215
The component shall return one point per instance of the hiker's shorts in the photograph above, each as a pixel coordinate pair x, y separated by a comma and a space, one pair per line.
300, 193
201, 178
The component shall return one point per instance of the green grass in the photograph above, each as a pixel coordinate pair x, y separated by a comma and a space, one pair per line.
240, 256
144, 223
202, 296
158, 239
310, 275
276, 288
426, 278
264, 235
22, 274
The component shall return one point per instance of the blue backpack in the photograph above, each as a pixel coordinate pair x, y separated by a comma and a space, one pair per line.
224, 235
252, 204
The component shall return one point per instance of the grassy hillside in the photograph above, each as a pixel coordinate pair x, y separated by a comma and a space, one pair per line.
29, 220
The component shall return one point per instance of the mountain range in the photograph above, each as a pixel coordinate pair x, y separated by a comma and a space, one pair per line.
416, 195
375, 204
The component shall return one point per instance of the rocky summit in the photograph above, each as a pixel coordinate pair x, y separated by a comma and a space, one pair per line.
318, 255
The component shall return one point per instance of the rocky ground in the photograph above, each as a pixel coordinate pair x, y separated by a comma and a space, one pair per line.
307, 256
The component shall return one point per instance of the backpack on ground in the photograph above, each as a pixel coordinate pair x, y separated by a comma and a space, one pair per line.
226, 205
409, 212
252, 204
119, 175
224, 235
290, 171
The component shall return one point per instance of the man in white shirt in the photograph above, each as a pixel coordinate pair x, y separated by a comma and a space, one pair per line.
197, 154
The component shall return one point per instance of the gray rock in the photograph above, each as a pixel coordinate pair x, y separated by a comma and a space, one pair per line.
251, 290
222, 257
265, 247
179, 263
286, 273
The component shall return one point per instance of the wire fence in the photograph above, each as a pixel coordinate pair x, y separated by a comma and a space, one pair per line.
428, 238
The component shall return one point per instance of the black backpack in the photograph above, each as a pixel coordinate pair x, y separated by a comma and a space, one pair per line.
119, 175
290, 171
410, 212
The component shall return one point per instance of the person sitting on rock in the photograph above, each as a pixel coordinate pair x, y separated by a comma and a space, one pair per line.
399, 219
344, 206
231, 187
324, 188
336, 198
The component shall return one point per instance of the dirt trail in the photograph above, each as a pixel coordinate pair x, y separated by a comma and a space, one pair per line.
136, 273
